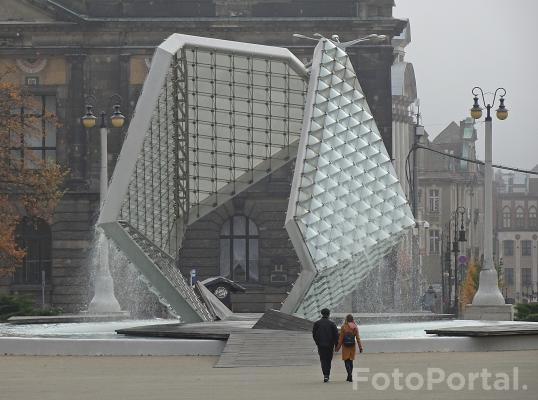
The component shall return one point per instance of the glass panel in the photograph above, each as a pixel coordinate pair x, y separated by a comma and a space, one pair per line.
525, 276
252, 228
240, 227
32, 158
225, 230
230, 100
239, 260
253, 272
225, 257
14, 139
50, 133
50, 155
509, 276
33, 132
34, 106
50, 104
508, 248
16, 155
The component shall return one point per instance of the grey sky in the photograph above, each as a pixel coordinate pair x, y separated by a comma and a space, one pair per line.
459, 44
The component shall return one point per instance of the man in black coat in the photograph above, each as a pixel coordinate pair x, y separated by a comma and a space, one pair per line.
325, 334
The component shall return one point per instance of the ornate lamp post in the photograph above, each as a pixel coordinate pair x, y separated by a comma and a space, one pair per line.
89, 120
103, 300
488, 293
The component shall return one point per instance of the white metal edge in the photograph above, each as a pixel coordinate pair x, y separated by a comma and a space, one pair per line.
135, 135
305, 132
176, 41
308, 271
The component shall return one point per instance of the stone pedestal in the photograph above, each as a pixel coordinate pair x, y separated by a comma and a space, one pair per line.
503, 312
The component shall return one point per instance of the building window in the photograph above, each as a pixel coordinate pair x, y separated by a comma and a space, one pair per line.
239, 249
434, 198
508, 247
507, 217
34, 236
434, 241
37, 140
520, 217
533, 217
508, 277
526, 280
526, 248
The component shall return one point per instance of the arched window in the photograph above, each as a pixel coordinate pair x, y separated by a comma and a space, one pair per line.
533, 217
34, 236
239, 249
520, 217
507, 217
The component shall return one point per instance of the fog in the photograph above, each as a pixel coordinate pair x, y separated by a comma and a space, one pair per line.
459, 44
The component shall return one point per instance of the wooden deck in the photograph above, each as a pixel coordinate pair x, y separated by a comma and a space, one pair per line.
273, 319
220, 330
268, 348
276, 340
502, 329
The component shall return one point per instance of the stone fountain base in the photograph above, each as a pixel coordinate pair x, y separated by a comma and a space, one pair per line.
70, 318
501, 312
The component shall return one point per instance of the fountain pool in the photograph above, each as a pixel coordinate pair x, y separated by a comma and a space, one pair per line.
106, 330
99, 338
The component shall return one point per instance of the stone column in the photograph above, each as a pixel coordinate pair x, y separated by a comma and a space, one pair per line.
517, 266
125, 71
76, 137
534, 265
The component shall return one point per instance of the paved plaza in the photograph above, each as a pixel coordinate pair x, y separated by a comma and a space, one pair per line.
163, 378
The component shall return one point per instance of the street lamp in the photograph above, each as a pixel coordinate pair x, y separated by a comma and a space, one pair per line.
459, 236
88, 120
104, 300
117, 120
488, 293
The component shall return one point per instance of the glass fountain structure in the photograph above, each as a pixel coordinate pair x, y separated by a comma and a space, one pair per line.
214, 117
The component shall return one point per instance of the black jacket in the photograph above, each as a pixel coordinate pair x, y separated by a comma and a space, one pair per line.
325, 333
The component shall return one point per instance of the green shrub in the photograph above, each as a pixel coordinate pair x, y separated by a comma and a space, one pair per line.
17, 305
527, 312
532, 317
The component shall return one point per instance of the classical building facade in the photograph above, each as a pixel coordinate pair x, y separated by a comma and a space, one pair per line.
450, 199
516, 227
73, 52
405, 105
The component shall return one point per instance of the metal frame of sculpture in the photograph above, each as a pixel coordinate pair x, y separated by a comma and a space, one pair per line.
215, 117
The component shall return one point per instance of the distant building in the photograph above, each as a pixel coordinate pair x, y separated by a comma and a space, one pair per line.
66, 50
444, 184
516, 227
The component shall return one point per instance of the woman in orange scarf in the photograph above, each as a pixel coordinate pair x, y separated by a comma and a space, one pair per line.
349, 337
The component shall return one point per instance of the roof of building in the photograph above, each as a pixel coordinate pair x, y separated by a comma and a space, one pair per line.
451, 134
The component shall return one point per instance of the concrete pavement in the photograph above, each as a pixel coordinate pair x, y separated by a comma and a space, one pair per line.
163, 378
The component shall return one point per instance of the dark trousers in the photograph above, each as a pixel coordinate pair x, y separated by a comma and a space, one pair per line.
349, 367
326, 357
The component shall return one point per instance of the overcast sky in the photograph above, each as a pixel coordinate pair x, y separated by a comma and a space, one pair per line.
459, 44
